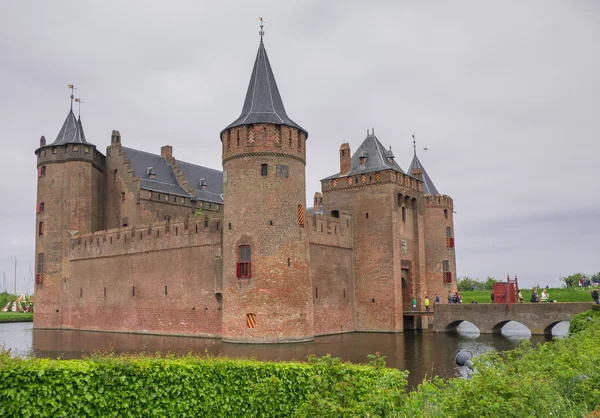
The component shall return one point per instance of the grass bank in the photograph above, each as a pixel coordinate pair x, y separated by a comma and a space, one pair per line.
15, 317
564, 294
560, 378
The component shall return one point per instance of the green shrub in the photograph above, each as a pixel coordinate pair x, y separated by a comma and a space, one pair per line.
184, 387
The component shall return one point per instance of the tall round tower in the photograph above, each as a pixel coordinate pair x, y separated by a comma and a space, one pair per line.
267, 287
69, 199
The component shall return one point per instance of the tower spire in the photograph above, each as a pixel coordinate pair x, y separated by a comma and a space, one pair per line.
79, 101
72, 87
261, 32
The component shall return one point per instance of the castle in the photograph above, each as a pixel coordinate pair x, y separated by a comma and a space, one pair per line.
136, 242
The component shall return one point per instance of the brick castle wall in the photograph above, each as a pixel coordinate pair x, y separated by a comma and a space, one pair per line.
161, 278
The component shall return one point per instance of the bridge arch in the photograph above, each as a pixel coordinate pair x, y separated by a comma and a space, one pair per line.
548, 329
497, 329
453, 326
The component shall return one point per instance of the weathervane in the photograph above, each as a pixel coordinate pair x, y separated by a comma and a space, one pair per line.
414, 144
78, 100
72, 88
262, 31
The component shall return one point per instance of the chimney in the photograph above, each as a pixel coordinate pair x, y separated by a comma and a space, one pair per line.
166, 151
42, 141
115, 138
345, 165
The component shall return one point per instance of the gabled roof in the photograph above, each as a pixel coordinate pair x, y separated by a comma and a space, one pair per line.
165, 180
376, 158
428, 186
263, 102
71, 132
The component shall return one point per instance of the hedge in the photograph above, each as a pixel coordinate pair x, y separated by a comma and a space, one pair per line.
190, 386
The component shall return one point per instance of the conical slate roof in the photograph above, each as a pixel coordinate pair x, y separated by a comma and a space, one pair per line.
428, 186
377, 158
71, 132
263, 102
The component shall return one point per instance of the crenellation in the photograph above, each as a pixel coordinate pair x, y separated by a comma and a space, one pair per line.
330, 230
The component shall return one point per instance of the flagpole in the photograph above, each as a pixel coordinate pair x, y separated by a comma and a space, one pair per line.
15, 285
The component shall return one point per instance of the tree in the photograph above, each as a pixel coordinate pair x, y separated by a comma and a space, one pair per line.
573, 279
489, 283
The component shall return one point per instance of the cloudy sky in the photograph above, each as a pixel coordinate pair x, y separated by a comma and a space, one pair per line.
504, 95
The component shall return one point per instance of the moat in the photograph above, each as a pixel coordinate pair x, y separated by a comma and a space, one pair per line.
421, 353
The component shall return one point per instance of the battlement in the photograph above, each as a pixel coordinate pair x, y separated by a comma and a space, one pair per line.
179, 233
263, 139
438, 201
330, 230
49, 154
367, 179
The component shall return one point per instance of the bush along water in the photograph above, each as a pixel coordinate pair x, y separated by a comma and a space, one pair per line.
556, 379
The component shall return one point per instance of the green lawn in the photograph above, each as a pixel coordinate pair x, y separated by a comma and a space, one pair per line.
15, 317
570, 294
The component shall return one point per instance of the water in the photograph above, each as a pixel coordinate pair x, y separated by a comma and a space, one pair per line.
423, 354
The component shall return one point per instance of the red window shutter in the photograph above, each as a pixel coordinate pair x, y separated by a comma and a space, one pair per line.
237, 270
39, 172
451, 242
37, 208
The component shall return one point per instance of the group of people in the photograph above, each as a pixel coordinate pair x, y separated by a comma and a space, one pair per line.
456, 298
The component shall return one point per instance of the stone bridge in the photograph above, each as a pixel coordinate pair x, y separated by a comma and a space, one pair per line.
540, 318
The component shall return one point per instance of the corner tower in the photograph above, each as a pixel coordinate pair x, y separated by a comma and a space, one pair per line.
267, 288
69, 198
438, 220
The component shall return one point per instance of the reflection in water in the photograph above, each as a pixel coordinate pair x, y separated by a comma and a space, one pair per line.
424, 354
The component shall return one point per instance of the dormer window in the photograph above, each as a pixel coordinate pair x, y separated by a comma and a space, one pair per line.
151, 173
75, 148
53, 150
86, 150
203, 185
362, 158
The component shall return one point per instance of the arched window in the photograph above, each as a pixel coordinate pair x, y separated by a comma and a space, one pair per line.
41, 229
403, 213
446, 213
244, 265
449, 238
447, 275
115, 176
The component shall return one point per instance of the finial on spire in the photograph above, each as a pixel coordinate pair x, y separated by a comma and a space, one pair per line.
261, 32
78, 100
72, 88
414, 144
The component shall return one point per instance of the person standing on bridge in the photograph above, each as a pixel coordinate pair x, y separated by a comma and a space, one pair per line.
449, 298
437, 299
414, 303
492, 296
427, 304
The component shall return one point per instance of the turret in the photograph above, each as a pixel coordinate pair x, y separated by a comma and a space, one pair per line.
69, 199
267, 290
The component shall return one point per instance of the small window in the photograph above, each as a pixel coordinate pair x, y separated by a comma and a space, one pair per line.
403, 214
75, 148
229, 225
344, 293
448, 232
41, 229
335, 213
115, 176
281, 170
80, 292
166, 289
264, 170
447, 275
122, 196
244, 265
40, 263
367, 215
133, 291
237, 138
446, 213
289, 262
316, 293
264, 135
105, 292
41, 207
86, 150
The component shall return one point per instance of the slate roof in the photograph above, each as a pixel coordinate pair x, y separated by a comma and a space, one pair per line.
71, 132
263, 102
428, 186
376, 158
165, 180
